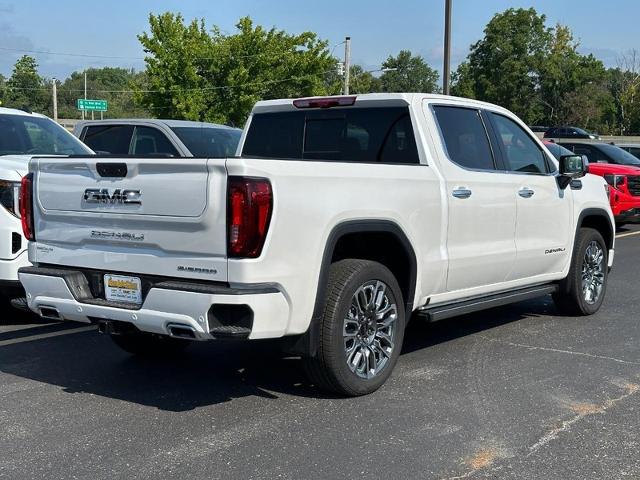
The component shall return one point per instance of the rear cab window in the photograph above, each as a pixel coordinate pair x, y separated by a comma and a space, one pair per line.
209, 142
365, 135
151, 141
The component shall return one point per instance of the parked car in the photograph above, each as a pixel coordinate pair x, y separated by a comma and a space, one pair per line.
151, 137
632, 148
23, 135
558, 151
624, 185
603, 153
342, 217
538, 128
570, 132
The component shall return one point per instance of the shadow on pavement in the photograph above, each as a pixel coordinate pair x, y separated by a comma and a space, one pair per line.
207, 373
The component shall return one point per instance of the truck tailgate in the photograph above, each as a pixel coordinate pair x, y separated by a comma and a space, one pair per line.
161, 216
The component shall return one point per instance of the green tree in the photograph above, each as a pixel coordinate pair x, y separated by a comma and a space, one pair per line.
197, 75
625, 89
362, 81
504, 67
26, 88
109, 83
573, 87
408, 73
462, 82
537, 72
3, 87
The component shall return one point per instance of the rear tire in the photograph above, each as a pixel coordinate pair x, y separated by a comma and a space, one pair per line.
148, 344
361, 330
584, 289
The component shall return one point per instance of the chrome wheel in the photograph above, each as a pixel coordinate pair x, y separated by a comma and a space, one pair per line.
369, 329
593, 273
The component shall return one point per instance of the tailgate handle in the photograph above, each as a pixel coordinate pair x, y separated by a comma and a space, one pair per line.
112, 170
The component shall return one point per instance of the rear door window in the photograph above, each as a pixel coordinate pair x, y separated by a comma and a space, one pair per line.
113, 139
465, 137
367, 135
151, 141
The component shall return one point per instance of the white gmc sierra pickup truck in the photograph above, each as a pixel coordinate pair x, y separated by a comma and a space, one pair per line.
338, 220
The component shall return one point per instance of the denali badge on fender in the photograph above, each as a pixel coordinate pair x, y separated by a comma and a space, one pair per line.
102, 195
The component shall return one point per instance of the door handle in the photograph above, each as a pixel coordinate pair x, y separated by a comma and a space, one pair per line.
461, 193
526, 193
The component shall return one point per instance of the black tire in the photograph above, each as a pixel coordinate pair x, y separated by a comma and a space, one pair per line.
328, 369
570, 298
148, 344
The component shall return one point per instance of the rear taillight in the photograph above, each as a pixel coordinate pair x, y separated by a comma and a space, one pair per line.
250, 202
26, 206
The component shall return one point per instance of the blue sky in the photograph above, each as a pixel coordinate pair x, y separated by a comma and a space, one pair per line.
378, 27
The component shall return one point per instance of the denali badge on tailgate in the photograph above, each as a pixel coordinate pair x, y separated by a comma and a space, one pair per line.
102, 195
108, 235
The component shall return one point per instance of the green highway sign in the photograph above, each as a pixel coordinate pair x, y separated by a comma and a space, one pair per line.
95, 105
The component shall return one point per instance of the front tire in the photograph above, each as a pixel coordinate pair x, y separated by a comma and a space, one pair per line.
584, 289
148, 344
361, 330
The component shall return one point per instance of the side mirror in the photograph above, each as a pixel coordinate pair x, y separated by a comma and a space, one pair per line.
572, 167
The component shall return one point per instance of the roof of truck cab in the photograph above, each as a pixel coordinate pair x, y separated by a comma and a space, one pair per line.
156, 121
391, 99
15, 111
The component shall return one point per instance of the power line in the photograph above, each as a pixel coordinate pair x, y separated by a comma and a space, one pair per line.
84, 55
118, 57
170, 91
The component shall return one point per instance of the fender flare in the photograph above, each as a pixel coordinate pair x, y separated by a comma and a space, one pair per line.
306, 344
596, 212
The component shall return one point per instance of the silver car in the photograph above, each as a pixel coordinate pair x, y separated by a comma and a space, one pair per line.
153, 137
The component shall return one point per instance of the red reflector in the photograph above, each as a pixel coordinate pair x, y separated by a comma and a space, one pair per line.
26, 206
250, 201
326, 102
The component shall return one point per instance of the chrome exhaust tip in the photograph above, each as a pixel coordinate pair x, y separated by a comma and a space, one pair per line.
50, 313
184, 332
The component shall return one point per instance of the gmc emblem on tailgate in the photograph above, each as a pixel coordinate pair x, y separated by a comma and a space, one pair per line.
122, 197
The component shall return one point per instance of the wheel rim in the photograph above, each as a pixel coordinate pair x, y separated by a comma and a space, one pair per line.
369, 330
593, 272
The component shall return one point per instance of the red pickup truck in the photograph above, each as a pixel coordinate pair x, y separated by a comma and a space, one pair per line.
624, 190
624, 185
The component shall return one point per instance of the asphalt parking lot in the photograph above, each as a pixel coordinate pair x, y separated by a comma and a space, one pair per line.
516, 392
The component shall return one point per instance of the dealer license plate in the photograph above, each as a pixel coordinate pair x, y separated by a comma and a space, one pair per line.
118, 288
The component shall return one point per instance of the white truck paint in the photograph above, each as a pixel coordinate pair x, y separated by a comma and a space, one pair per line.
499, 239
14, 164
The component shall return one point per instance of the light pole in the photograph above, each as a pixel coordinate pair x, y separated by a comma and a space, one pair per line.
54, 99
347, 65
446, 71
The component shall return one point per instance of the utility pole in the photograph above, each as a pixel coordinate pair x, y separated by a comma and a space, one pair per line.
347, 64
85, 90
446, 71
54, 93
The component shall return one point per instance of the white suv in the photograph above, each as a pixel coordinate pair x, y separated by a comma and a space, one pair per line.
23, 135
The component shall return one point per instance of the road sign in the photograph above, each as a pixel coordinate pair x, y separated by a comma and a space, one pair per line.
95, 105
